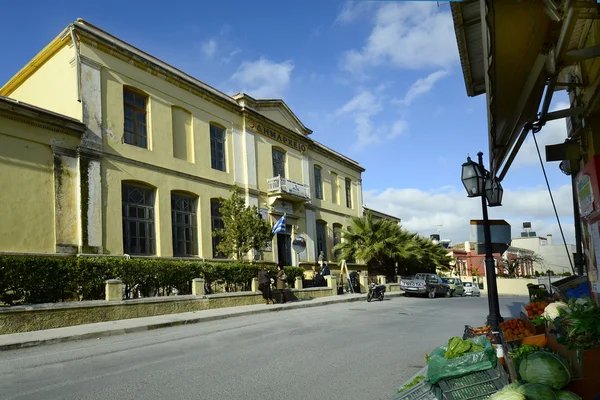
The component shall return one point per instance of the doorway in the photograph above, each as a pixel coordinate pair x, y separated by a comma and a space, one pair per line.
284, 246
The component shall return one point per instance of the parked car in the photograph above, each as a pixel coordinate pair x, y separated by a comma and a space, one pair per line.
430, 285
456, 286
471, 289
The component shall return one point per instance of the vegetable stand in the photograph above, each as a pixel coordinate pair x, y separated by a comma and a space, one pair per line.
535, 356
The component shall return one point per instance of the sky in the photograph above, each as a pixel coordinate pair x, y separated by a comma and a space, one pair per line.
379, 82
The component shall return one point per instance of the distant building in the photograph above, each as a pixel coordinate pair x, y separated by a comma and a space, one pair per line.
467, 263
554, 256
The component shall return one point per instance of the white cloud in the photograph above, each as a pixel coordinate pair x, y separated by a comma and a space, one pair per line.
227, 59
421, 211
409, 35
209, 48
420, 87
362, 108
553, 132
263, 78
353, 10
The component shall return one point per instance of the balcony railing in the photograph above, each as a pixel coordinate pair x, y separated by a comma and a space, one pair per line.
286, 186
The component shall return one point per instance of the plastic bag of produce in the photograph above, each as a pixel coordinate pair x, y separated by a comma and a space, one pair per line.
545, 368
440, 367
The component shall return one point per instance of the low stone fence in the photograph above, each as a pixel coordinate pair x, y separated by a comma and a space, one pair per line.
57, 315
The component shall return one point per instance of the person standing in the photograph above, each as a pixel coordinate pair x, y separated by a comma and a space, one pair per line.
281, 277
264, 284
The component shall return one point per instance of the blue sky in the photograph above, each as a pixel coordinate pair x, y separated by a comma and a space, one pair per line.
379, 82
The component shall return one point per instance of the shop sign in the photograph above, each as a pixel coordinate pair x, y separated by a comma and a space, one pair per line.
283, 139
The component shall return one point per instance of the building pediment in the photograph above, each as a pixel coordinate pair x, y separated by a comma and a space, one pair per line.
275, 110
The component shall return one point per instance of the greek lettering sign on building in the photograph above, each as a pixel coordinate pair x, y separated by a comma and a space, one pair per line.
281, 138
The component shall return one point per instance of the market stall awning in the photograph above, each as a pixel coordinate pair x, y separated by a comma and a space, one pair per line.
511, 50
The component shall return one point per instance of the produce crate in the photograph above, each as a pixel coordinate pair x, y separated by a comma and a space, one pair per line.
478, 385
421, 391
469, 333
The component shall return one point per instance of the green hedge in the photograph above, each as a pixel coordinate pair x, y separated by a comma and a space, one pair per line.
33, 280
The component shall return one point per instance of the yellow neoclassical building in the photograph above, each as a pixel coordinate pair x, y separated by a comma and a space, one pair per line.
143, 153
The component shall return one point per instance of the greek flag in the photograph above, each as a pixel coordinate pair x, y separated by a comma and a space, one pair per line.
279, 226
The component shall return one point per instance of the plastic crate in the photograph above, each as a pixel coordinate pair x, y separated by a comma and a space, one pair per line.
421, 391
478, 385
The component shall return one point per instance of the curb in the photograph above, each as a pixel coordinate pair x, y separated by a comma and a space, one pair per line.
160, 325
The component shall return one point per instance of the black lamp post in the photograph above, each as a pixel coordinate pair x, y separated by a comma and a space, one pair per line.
479, 183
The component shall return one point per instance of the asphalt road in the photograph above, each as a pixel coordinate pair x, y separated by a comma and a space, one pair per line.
354, 350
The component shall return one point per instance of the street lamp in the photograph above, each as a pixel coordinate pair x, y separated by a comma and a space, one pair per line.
479, 183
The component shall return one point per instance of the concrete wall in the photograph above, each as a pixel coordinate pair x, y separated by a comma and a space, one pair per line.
511, 287
53, 84
47, 316
29, 189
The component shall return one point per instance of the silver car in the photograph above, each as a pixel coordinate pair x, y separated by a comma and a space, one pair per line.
471, 289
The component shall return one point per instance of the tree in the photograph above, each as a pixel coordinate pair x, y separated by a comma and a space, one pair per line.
382, 243
522, 260
244, 229
377, 242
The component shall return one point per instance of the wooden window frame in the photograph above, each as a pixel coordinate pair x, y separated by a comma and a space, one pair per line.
214, 162
319, 185
281, 151
147, 220
188, 224
136, 110
348, 192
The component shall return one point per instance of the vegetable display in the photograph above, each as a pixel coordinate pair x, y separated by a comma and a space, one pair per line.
514, 329
579, 324
458, 347
553, 310
545, 368
536, 309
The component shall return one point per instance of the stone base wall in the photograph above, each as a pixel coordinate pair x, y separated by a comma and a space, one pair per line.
57, 315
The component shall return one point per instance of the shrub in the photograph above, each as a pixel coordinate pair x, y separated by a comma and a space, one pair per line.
26, 279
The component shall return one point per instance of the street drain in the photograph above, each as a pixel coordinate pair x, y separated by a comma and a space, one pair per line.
357, 309
404, 313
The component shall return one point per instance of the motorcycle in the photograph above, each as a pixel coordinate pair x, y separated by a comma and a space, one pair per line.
376, 291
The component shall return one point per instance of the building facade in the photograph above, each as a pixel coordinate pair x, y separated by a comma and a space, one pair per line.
158, 150
554, 257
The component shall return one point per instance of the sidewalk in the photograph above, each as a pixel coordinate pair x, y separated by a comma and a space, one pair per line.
122, 327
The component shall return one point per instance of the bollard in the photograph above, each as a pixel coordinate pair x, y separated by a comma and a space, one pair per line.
254, 286
332, 284
198, 287
114, 290
363, 281
298, 283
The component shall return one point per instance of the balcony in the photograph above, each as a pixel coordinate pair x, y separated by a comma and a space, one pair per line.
283, 188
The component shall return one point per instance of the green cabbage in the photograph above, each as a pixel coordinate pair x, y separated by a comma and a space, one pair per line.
564, 395
537, 391
509, 392
545, 368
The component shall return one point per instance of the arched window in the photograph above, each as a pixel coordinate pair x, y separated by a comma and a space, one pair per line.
185, 224
138, 219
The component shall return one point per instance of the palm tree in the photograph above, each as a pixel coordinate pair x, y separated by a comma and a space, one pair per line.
377, 242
